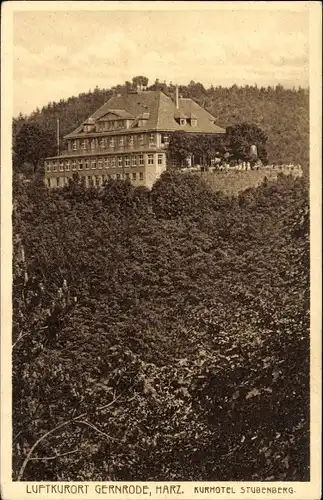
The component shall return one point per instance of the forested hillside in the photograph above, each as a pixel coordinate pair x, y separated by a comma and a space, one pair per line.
283, 114
161, 335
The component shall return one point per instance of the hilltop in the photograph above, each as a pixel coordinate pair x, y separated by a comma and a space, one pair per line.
282, 113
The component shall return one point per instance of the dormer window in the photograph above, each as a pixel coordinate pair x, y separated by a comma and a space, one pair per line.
182, 121
89, 125
194, 122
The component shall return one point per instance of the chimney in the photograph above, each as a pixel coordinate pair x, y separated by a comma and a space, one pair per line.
176, 97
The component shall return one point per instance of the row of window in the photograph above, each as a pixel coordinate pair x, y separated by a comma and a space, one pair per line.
192, 122
103, 143
98, 180
109, 124
107, 162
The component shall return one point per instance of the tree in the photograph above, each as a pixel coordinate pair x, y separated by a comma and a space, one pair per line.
180, 146
33, 143
244, 135
127, 85
140, 81
203, 146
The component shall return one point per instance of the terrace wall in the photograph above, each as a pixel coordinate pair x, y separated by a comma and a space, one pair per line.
232, 182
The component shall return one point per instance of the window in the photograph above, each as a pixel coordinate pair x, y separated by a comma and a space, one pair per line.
74, 165
92, 145
67, 166
130, 141
102, 143
113, 162
141, 140
54, 166
106, 162
152, 139
182, 121
111, 142
119, 161
57, 181
127, 175
48, 168
134, 161
74, 145
150, 159
160, 159
165, 139
80, 164
100, 163
126, 161
98, 180
134, 176
90, 180
84, 145
93, 164
141, 176
61, 166
141, 160
118, 177
121, 142
194, 122
86, 164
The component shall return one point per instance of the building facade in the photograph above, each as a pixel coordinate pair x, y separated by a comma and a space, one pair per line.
127, 138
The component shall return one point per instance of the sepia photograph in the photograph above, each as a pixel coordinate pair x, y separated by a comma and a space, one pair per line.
161, 312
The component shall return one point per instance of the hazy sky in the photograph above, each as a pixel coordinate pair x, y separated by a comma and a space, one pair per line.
60, 54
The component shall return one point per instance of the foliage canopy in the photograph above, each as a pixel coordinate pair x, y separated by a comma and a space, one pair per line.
158, 335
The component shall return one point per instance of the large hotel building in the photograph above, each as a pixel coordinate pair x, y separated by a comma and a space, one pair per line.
127, 138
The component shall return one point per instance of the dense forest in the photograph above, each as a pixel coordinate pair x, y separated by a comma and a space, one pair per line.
163, 334
283, 114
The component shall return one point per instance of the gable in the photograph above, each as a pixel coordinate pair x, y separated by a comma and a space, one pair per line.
109, 116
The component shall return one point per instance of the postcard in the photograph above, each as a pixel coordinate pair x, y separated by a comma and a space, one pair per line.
160, 250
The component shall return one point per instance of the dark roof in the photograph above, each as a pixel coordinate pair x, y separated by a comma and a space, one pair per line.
160, 111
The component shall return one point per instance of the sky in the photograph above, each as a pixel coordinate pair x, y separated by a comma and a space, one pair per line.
58, 54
